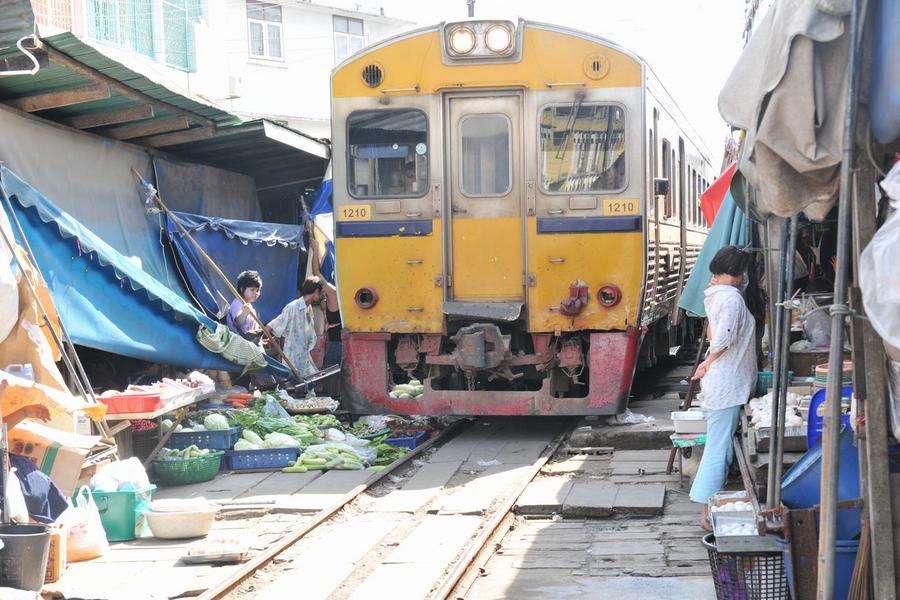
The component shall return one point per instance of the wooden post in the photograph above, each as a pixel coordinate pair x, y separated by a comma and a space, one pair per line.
870, 378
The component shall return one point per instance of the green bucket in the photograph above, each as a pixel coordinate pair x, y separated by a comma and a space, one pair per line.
122, 513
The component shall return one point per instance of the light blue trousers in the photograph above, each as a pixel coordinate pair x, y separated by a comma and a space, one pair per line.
717, 454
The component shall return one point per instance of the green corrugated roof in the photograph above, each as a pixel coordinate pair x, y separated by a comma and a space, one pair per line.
56, 77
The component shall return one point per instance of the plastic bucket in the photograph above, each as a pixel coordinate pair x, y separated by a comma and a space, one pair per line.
800, 485
122, 513
23, 558
844, 561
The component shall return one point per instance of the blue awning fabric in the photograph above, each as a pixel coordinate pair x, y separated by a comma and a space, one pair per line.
271, 249
106, 299
729, 229
322, 217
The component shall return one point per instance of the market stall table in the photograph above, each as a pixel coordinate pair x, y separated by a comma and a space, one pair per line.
177, 404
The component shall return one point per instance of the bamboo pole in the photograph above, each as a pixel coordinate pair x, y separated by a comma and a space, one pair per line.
224, 277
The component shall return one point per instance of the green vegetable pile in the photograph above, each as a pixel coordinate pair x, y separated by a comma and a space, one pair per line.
387, 453
413, 389
322, 457
186, 454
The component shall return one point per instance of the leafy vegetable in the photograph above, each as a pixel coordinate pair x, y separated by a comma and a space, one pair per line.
215, 422
280, 440
246, 445
252, 437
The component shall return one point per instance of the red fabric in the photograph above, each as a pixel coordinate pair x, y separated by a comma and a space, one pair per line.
711, 199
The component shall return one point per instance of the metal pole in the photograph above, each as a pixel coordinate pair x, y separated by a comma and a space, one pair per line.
839, 311
775, 343
776, 463
471, 6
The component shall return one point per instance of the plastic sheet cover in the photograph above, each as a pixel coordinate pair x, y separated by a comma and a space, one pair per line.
106, 299
729, 229
270, 248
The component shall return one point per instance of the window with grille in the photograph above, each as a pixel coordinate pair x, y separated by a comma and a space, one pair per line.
124, 23
349, 37
53, 13
179, 17
264, 27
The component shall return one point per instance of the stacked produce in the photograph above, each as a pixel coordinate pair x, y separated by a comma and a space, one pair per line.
186, 454
413, 389
322, 457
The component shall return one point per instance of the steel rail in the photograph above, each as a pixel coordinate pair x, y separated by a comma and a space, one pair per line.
466, 562
221, 589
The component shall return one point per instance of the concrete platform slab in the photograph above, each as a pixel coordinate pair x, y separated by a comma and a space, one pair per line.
544, 496
590, 499
419, 490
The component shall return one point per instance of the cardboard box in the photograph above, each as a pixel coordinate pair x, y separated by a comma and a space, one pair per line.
56, 558
57, 453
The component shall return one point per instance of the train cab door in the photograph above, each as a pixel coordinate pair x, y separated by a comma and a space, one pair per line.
485, 253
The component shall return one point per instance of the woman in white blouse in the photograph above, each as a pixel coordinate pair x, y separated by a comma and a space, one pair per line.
728, 373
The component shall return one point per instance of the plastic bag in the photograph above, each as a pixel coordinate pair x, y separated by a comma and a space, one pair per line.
120, 476
274, 409
86, 538
879, 277
629, 418
15, 499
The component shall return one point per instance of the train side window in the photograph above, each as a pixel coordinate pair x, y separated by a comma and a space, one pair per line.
388, 153
583, 148
667, 156
485, 165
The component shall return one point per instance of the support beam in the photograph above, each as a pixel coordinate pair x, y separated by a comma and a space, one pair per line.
122, 89
137, 130
112, 117
48, 100
181, 137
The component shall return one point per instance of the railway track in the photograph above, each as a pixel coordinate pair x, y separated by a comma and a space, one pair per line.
418, 530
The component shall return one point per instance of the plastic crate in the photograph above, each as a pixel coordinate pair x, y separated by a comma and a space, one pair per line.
410, 442
223, 439
765, 380
191, 470
131, 403
122, 513
265, 458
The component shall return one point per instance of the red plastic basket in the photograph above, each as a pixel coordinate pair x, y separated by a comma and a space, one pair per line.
131, 403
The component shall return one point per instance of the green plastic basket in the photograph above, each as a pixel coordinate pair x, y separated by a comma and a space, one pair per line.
122, 513
191, 470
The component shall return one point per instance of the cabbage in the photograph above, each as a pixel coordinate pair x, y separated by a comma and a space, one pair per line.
245, 445
280, 440
215, 422
251, 437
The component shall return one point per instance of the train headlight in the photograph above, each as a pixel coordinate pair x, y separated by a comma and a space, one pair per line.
462, 40
498, 39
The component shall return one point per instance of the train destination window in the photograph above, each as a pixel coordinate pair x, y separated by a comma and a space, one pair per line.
583, 148
484, 142
388, 153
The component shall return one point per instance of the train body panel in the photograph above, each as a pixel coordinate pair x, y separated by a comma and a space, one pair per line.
497, 232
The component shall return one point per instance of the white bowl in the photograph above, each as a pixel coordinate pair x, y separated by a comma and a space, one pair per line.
180, 525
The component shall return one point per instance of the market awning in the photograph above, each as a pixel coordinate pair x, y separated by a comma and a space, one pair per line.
269, 248
711, 199
105, 299
729, 229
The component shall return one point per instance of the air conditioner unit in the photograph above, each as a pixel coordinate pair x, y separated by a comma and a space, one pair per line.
235, 86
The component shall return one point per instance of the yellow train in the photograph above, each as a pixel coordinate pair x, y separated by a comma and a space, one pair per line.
516, 210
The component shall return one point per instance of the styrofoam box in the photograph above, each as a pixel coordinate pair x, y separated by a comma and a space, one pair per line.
689, 421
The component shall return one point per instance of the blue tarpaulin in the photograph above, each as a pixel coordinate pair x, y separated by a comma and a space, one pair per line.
323, 218
269, 248
729, 229
106, 299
